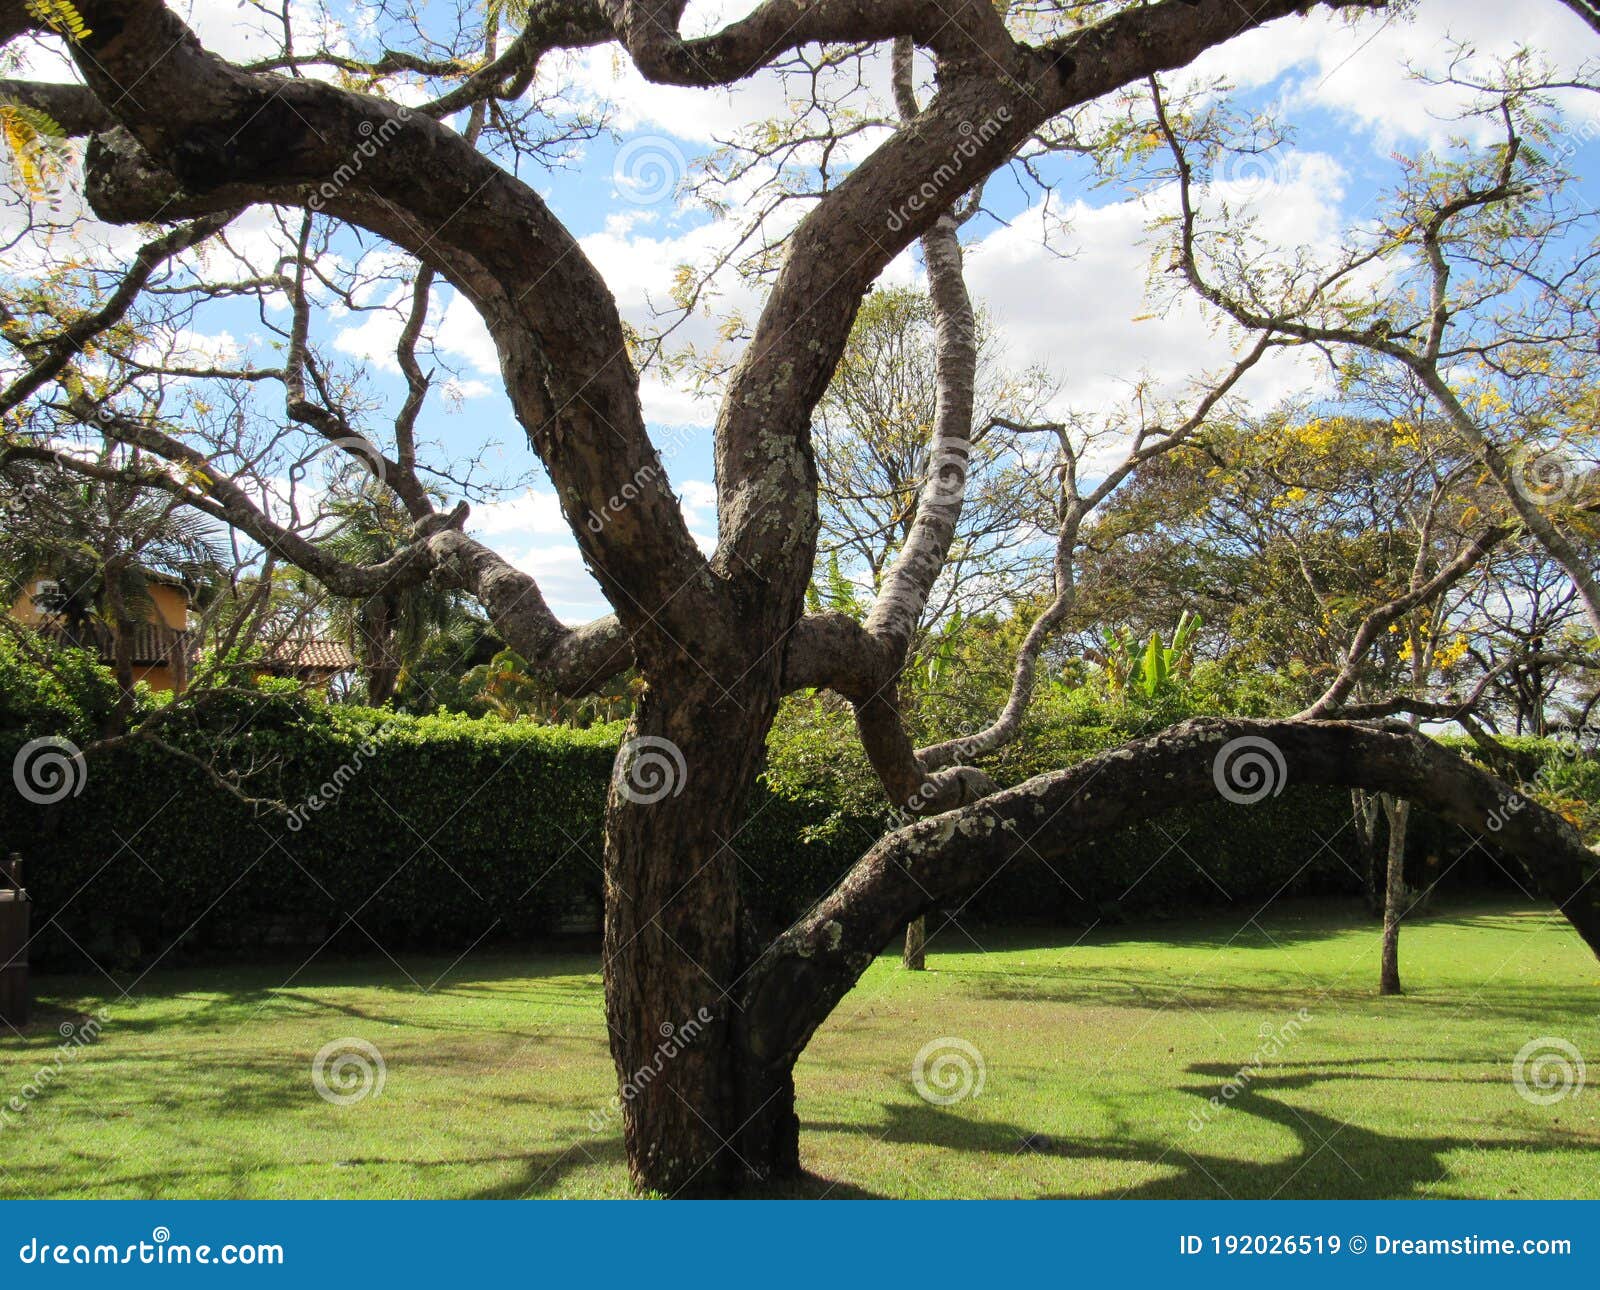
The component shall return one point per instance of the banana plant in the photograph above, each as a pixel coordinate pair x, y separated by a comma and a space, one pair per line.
942, 655
1154, 668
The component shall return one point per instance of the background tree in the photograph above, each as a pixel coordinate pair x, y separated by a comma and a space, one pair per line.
388, 630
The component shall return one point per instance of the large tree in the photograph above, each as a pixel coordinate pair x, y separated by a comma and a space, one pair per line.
178, 135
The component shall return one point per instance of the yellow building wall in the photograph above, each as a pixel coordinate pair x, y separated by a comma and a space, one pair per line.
158, 678
168, 607
172, 607
24, 609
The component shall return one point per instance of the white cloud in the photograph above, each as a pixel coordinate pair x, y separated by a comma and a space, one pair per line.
1359, 69
565, 584
1085, 318
530, 512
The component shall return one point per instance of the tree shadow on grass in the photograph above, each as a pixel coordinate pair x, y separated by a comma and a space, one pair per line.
1297, 921
272, 992
545, 1172
1333, 1159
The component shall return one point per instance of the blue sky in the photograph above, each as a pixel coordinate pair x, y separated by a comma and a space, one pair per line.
1342, 87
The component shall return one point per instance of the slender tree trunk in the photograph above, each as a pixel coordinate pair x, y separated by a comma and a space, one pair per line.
1366, 812
122, 660
1398, 812
123, 628
376, 625
915, 957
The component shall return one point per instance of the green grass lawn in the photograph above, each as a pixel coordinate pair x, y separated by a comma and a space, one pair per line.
1099, 1057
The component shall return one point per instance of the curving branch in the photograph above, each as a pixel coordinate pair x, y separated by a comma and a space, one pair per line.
49, 356
200, 134
815, 962
1421, 592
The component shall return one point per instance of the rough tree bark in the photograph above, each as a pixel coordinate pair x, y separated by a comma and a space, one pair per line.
1397, 811
1366, 811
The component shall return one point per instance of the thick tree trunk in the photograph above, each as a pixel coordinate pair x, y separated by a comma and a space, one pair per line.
697, 1118
1398, 812
915, 957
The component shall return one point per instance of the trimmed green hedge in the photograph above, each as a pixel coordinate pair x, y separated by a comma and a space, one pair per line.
430, 831
443, 832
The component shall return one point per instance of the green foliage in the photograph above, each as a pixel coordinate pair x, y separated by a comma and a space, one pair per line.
435, 831
103, 543
52, 689
837, 594
504, 685
412, 830
1156, 669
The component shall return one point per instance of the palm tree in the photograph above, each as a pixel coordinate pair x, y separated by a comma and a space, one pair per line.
102, 543
388, 631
